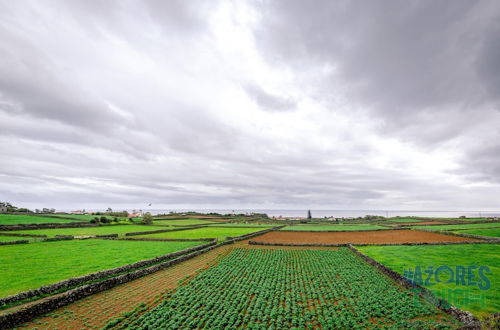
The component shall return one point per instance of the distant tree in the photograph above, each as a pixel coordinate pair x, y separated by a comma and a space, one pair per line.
309, 217
147, 218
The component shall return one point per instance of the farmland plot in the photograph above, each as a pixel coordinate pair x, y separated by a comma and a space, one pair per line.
29, 266
21, 219
332, 227
12, 238
183, 222
358, 237
491, 232
461, 226
98, 310
273, 288
206, 232
90, 231
472, 294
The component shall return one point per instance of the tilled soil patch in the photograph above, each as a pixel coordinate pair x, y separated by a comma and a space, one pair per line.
358, 237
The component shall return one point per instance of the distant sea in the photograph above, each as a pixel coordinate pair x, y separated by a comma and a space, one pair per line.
338, 213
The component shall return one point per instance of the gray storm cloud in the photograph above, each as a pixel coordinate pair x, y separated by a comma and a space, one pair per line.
272, 104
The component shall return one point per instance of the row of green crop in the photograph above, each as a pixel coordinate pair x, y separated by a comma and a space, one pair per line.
278, 289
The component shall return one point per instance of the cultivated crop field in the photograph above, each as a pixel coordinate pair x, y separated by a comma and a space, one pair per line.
332, 227
29, 266
205, 232
282, 289
241, 285
463, 293
90, 231
359, 237
21, 219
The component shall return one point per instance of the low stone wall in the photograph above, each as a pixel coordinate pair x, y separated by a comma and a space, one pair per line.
296, 244
161, 231
47, 305
22, 241
55, 239
168, 239
21, 235
257, 233
47, 226
469, 320
95, 276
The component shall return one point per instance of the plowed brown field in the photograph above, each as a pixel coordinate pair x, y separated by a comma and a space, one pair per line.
360, 237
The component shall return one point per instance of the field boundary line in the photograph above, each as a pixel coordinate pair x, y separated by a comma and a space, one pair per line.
136, 233
465, 317
48, 225
22, 241
164, 239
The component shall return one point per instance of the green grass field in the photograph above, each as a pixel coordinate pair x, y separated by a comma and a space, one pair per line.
88, 217
21, 219
90, 231
332, 227
404, 220
493, 232
29, 266
187, 222
206, 232
462, 226
480, 302
254, 225
12, 238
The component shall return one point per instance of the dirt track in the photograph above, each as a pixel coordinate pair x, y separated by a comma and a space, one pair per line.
360, 237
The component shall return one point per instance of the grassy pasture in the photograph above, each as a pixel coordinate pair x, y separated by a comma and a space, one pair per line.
12, 238
29, 266
403, 220
22, 219
206, 232
187, 222
88, 217
256, 225
461, 226
90, 231
332, 227
492, 232
480, 302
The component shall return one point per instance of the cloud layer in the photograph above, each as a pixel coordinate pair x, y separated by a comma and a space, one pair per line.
271, 104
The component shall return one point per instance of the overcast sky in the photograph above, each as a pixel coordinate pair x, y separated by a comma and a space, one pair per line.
250, 104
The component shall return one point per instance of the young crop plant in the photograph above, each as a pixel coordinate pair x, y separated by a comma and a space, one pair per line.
291, 289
